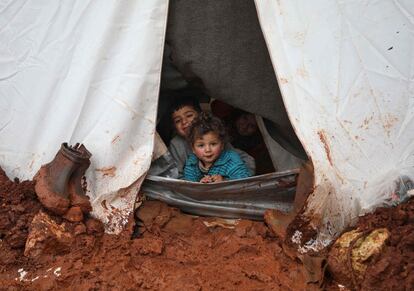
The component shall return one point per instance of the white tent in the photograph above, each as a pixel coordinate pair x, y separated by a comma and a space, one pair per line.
80, 71
346, 73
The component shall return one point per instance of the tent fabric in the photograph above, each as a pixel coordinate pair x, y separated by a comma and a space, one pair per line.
80, 71
345, 70
282, 159
245, 198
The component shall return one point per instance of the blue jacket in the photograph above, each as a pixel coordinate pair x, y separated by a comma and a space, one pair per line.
229, 165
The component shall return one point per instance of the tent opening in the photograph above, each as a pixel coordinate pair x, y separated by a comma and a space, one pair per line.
222, 59
218, 54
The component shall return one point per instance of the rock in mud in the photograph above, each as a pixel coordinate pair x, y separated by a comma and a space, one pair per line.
94, 226
74, 214
47, 237
148, 246
243, 227
353, 252
278, 222
79, 229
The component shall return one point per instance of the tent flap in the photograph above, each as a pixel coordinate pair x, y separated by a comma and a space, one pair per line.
245, 198
80, 71
345, 69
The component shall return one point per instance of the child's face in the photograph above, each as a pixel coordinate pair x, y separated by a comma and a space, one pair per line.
182, 119
246, 124
208, 148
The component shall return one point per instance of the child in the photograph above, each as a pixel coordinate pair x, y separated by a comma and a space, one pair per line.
210, 162
183, 112
244, 134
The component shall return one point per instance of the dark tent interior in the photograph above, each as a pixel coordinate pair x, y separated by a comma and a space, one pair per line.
216, 49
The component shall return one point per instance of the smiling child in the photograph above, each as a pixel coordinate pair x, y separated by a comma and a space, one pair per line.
210, 161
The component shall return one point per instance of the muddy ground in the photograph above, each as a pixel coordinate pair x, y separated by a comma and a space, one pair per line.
173, 251
393, 269
176, 251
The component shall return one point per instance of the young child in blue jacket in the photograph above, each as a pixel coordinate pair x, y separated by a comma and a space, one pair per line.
183, 112
210, 162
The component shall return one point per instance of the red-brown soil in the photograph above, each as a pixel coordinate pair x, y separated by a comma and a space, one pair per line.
173, 251
393, 268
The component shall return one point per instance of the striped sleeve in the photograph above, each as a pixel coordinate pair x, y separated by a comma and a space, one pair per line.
237, 169
191, 172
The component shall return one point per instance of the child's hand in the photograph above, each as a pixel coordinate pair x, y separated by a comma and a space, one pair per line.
217, 178
206, 179
212, 179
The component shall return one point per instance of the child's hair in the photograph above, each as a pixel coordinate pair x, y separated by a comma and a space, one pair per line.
204, 124
181, 101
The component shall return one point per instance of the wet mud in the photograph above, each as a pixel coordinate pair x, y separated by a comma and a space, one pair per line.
171, 251
393, 269
392, 266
